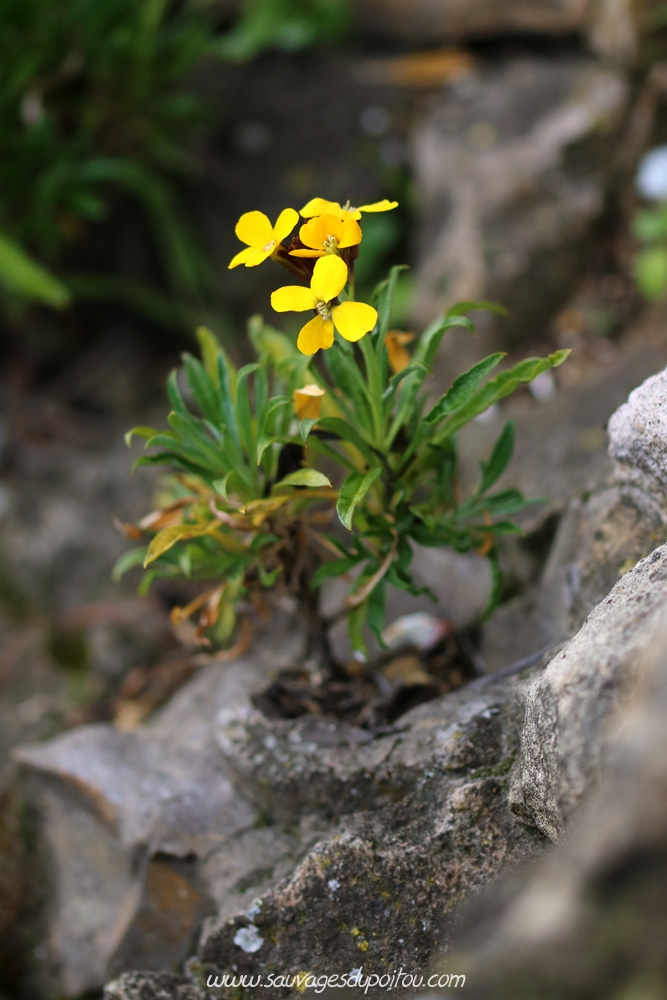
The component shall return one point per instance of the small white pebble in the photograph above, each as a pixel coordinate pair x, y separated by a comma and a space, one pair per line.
248, 939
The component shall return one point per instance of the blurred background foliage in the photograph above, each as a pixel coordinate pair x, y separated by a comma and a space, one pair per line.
99, 115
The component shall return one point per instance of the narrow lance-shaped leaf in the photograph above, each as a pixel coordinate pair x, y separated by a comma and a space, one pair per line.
355, 625
210, 348
168, 537
142, 432
135, 557
500, 458
22, 275
430, 340
348, 433
477, 305
462, 389
304, 477
376, 611
244, 416
384, 297
499, 387
204, 390
353, 491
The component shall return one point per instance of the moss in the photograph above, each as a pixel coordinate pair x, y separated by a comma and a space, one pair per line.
499, 770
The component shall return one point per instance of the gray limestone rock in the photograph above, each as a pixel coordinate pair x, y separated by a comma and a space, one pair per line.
590, 920
568, 710
344, 880
638, 436
126, 820
419, 819
511, 168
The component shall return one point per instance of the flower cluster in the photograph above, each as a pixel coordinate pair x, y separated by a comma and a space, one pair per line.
323, 254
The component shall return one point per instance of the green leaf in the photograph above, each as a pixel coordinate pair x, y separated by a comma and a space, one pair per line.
499, 387
142, 432
384, 299
305, 427
376, 611
204, 389
353, 491
174, 393
244, 416
497, 584
221, 486
349, 433
395, 380
192, 433
210, 348
500, 458
461, 308
334, 567
304, 477
135, 557
430, 340
355, 625
501, 504
23, 276
462, 389
168, 537
345, 375
271, 343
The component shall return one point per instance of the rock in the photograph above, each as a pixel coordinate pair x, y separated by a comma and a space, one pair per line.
610, 25
301, 842
126, 818
590, 920
569, 708
511, 170
638, 436
152, 986
609, 514
419, 819
600, 536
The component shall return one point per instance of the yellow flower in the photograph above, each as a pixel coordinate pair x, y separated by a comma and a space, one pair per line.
397, 354
255, 229
351, 319
327, 234
308, 401
319, 206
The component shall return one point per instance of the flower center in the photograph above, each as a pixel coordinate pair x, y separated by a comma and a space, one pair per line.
269, 246
324, 309
331, 244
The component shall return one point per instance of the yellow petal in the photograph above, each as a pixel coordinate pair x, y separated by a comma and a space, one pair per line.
308, 401
254, 229
350, 233
307, 253
287, 220
293, 298
378, 206
255, 256
314, 232
329, 277
319, 206
354, 319
241, 257
317, 334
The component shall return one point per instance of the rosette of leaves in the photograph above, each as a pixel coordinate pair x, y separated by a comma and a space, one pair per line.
240, 516
240, 509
